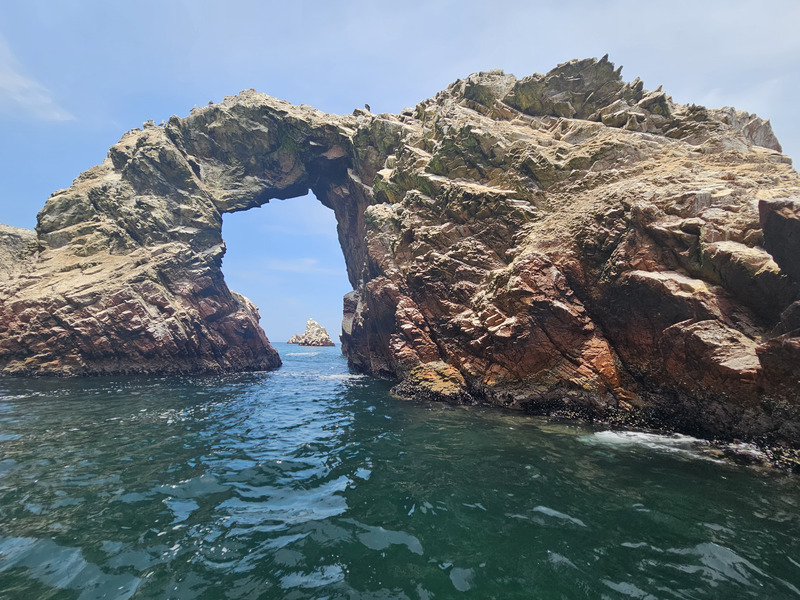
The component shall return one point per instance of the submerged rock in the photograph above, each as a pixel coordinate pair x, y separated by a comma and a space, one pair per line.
315, 335
566, 243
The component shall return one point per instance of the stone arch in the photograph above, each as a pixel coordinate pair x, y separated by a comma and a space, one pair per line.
136, 243
508, 241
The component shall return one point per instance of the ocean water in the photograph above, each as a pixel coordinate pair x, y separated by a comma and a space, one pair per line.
312, 482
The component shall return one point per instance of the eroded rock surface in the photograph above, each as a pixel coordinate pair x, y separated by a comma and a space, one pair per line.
314, 335
565, 243
18, 249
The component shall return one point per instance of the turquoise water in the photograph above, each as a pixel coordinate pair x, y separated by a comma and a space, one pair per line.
311, 482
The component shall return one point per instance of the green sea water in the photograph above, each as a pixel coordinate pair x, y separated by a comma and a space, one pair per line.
313, 482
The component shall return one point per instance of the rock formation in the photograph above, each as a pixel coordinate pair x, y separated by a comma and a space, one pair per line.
565, 243
315, 335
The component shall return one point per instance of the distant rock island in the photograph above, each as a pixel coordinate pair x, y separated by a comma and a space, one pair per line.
567, 244
315, 335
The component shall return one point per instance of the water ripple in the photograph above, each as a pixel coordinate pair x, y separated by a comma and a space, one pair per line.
312, 482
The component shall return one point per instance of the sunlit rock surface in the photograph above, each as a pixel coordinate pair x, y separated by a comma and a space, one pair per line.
565, 243
314, 335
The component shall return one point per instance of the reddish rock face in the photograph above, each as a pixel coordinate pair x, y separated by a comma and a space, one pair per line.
566, 243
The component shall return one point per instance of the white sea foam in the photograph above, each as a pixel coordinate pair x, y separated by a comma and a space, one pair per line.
653, 440
15, 396
674, 443
342, 376
328, 377
747, 450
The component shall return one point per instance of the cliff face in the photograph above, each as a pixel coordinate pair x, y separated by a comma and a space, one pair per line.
563, 243
314, 335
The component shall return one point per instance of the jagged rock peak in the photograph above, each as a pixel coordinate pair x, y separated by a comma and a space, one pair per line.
314, 335
594, 90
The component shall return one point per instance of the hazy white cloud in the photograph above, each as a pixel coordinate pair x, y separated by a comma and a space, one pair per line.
299, 265
302, 266
19, 94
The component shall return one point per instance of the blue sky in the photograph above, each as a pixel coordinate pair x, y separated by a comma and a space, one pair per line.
76, 74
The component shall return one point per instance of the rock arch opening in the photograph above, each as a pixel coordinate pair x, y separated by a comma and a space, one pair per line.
286, 258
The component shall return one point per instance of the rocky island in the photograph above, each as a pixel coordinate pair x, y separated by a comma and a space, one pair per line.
567, 243
314, 335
